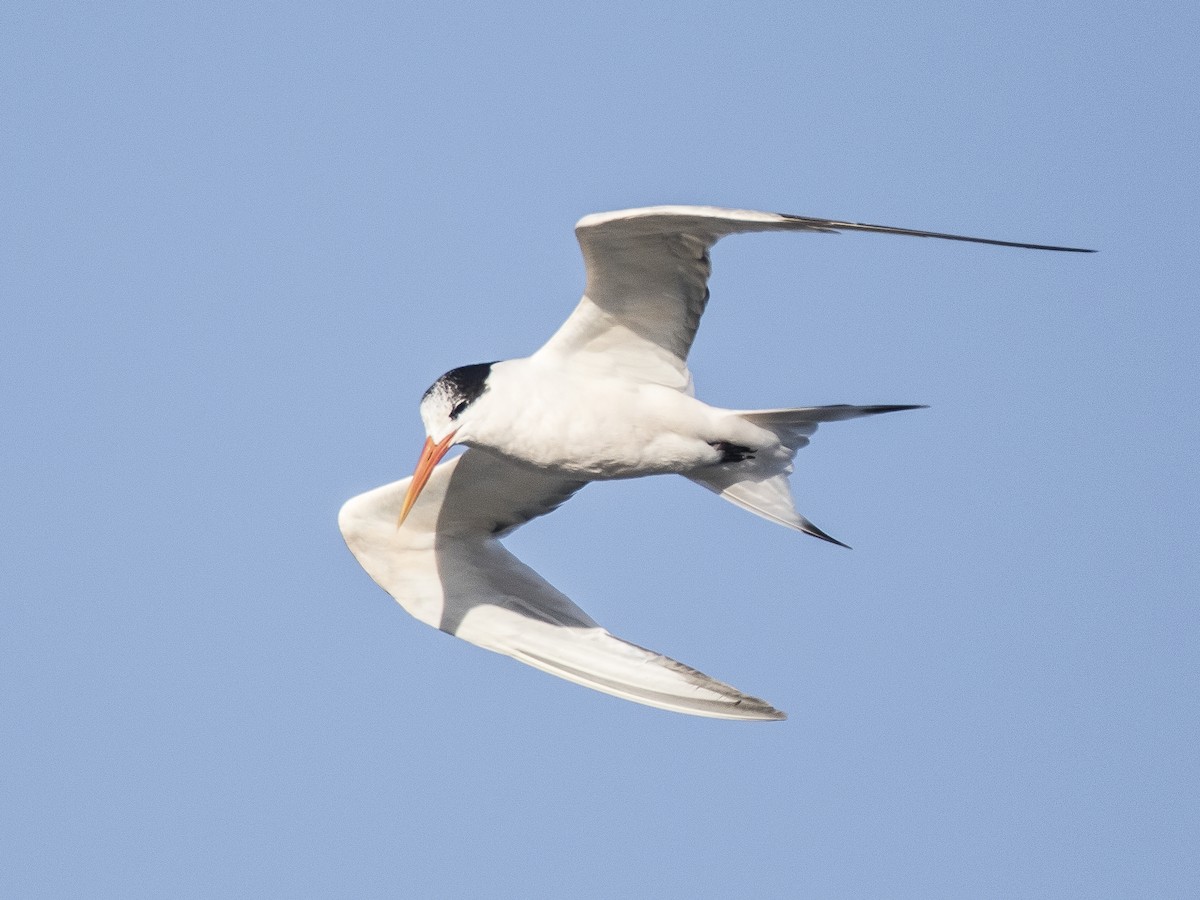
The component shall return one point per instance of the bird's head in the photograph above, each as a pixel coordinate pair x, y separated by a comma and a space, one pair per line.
446, 412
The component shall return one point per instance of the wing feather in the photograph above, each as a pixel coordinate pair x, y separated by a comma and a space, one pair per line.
447, 568
647, 282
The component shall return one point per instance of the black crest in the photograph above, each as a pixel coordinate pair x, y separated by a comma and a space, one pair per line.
461, 386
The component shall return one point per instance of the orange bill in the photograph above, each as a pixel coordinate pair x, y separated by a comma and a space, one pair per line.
431, 454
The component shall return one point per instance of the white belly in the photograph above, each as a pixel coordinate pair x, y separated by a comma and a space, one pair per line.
596, 428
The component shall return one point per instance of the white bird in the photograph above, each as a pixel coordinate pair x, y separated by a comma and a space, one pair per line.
608, 396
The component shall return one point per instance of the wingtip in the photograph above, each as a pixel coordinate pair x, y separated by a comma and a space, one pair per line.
752, 709
893, 407
748, 709
809, 528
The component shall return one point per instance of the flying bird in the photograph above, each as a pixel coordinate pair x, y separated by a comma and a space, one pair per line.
608, 396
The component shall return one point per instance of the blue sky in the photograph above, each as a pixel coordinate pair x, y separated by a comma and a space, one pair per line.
239, 240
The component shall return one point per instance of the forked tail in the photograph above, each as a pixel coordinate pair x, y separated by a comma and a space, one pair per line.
759, 483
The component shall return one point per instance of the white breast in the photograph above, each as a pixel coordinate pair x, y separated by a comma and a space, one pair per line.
588, 426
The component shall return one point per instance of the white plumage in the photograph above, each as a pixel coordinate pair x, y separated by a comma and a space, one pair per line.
608, 396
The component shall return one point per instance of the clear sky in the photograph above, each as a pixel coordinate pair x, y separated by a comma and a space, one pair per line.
239, 240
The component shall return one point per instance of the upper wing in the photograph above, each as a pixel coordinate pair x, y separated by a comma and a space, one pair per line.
447, 568
647, 282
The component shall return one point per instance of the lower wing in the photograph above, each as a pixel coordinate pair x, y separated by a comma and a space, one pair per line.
446, 567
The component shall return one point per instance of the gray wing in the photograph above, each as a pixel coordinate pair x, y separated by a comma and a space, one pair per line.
447, 568
647, 282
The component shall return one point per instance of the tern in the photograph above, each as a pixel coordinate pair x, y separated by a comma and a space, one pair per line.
608, 396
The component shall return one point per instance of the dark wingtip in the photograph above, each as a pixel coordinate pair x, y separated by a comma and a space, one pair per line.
809, 528
812, 223
876, 410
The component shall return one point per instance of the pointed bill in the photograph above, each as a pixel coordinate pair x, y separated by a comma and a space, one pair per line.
431, 454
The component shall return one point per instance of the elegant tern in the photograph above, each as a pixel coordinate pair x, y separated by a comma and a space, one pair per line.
608, 396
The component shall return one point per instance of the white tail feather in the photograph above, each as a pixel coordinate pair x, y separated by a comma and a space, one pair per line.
760, 483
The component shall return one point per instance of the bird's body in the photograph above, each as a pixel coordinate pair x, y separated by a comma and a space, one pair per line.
631, 428
608, 396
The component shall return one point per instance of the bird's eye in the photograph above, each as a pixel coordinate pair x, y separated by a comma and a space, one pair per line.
458, 408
